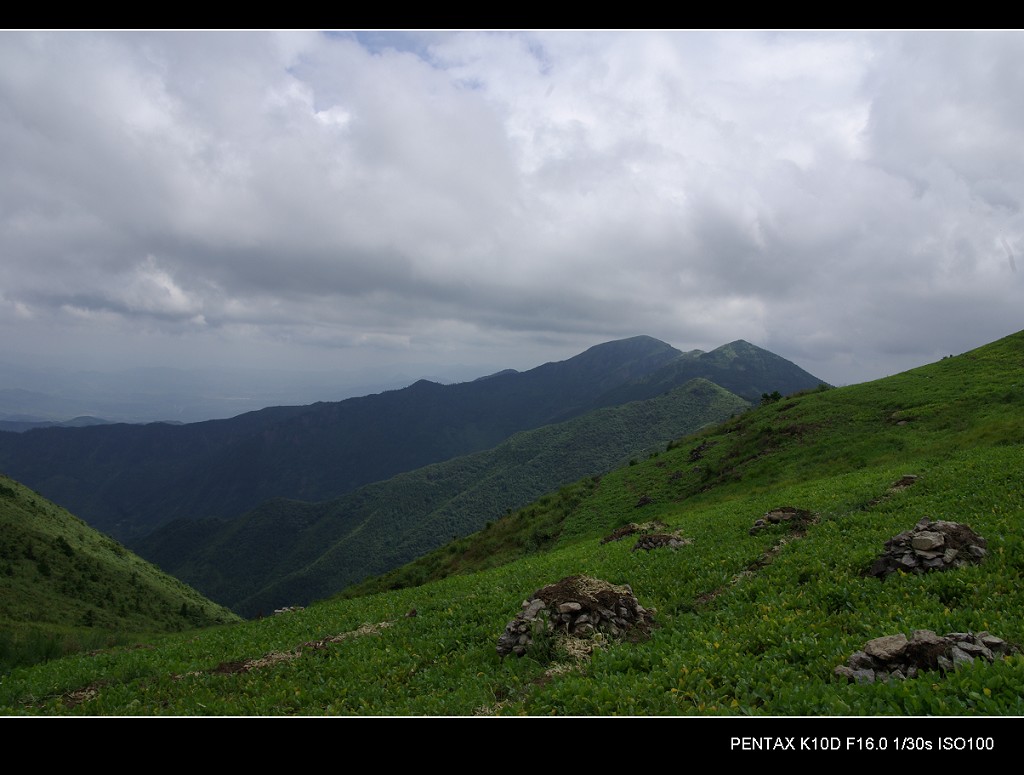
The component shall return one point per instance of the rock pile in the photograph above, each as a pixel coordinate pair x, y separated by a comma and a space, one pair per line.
632, 529
577, 607
799, 518
659, 540
894, 657
938, 545
698, 452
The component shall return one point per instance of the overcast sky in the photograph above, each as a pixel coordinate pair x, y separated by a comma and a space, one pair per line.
850, 201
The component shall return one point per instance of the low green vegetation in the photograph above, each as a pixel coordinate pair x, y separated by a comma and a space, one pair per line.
747, 624
65, 588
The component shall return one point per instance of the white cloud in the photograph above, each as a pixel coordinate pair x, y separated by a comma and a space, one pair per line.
821, 194
150, 289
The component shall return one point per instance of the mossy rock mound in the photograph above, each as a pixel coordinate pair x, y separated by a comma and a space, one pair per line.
632, 529
897, 657
930, 546
578, 608
660, 541
795, 518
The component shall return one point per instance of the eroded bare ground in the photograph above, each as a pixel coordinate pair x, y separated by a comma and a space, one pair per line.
78, 696
86, 693
904, 482
276, 657
797, 530
577, 650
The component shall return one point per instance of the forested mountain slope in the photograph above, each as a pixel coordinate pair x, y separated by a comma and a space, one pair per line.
289, 552
126, 480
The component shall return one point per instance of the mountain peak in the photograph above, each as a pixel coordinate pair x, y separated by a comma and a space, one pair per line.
634, 347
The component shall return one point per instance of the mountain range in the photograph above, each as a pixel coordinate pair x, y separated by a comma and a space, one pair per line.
128, 480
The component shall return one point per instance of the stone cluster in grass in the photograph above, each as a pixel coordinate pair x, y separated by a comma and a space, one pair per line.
578, 607
798, 518
632, 529
660, 540
929, 546
895, 657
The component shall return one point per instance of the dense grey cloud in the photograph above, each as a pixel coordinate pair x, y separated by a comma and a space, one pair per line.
851, 201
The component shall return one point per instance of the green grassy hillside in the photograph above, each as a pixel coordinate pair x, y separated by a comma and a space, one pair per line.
63, 586
746, 624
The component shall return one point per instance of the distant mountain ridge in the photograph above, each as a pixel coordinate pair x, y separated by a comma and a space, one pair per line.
739, 367
287, 552
20, 426
129, 479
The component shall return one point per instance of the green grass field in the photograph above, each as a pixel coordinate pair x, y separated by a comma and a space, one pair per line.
746, 624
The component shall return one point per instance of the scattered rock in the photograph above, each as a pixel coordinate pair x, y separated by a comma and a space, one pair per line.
632, 529
287, 609
78, 696
888, 648
698, 452
896, 658
576, 608
938, 545
645, 500
799, 518
660, 540
905, 481
267, 660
